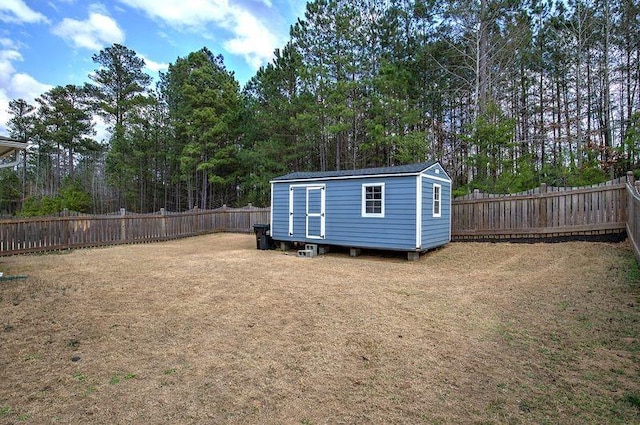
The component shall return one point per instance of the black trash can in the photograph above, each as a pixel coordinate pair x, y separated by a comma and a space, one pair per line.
263, 240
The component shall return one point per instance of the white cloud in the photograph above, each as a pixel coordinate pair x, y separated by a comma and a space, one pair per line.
8, 56
251, 38
94, 33
26, 87
154, 66
17, 12
102, 130
7, 43
4, 113
267, 3
20, 86
180, 13
15, 85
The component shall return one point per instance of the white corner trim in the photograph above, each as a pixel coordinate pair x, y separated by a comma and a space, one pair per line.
271, 211
418, 212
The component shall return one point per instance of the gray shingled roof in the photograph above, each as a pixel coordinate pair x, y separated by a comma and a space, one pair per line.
400, 169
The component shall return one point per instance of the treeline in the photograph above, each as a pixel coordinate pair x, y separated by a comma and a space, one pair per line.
506, 93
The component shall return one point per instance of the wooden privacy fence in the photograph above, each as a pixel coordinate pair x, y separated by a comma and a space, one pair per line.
633, 215
541, 213
545, 212
25, 235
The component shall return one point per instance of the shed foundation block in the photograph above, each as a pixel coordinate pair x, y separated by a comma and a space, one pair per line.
354, 252
305, 253
284, 246
413, 255
311, 247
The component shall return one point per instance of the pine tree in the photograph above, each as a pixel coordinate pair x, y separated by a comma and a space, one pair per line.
204, 105
67, 123
118, 91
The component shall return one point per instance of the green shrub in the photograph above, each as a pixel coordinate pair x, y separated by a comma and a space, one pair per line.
71, 196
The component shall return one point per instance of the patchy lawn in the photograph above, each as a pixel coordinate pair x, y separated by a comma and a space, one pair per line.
211, 330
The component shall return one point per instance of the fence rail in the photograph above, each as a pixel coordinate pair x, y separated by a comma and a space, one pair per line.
541, 212
19, 236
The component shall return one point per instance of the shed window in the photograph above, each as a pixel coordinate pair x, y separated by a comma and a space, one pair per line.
437, 193
373, 200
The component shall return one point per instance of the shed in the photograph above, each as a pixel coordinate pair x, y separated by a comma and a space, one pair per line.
401, 208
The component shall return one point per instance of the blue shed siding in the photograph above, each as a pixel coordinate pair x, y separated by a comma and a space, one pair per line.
436, 231
299, 206
280, 211
344, 224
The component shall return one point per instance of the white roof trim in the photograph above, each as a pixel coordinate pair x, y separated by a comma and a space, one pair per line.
364, 176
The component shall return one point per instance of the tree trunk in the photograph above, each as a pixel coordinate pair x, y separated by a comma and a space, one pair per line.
606, 87
482, 67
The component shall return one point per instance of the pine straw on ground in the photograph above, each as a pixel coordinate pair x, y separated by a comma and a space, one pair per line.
211, 330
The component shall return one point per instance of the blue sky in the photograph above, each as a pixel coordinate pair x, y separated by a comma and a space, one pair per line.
44, 43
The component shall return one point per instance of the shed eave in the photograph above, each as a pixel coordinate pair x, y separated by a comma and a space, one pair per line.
363, 176
398, 170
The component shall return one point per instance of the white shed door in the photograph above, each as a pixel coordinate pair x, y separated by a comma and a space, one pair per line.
315, 214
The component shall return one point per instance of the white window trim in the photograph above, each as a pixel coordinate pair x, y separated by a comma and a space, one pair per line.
439, 213
364, 200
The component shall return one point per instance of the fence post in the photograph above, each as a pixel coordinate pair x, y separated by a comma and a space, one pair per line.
629, 187
123, 225
224, 222
195, 219
67, 227
631, 217
542, 206
163, 222
474, 218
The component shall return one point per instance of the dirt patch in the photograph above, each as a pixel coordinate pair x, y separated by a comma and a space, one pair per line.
211, 330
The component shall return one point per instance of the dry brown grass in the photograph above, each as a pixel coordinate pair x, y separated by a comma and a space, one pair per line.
211, 330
